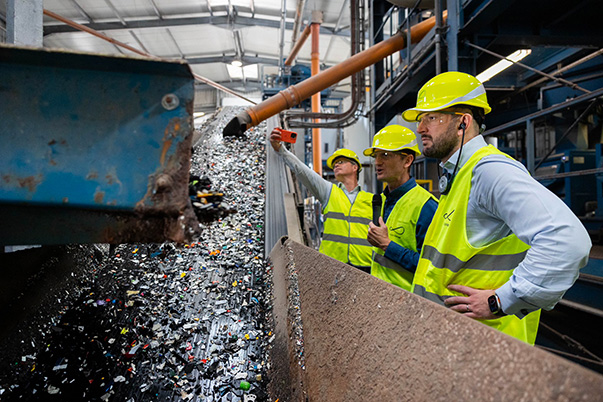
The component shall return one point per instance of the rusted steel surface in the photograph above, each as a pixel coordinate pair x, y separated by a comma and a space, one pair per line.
367, 340
96, 142
286, 378
295, 94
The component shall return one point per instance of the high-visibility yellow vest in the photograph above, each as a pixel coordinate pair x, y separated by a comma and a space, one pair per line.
402, 227
447, 257
346, 228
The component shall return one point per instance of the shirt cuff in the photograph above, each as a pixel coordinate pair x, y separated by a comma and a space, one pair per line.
511, 304
393, 251
402, 256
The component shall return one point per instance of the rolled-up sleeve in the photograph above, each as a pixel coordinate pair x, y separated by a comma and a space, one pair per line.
559, 243
318, 186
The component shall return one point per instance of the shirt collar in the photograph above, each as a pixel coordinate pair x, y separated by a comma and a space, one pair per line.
400, 191
355, 190
468, 150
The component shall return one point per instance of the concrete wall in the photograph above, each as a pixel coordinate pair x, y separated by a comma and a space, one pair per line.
365, 340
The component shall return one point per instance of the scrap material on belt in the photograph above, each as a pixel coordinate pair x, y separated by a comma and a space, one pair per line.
168, 322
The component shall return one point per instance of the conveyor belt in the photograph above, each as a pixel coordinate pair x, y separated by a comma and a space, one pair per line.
167, 322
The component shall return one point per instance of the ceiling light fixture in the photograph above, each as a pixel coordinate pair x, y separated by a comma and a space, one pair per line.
503, 64
236, 63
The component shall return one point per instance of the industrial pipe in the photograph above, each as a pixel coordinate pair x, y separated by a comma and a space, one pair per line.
299, 12
349, 116
298, 45
315, 69
295, 94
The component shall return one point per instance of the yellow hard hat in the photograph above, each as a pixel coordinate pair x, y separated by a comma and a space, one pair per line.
394, 138
344, 153
446, 90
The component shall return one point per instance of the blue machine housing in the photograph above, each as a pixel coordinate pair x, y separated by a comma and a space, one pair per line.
298, 73
94, 148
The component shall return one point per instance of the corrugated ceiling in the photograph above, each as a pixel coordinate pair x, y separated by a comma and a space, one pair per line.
201, 32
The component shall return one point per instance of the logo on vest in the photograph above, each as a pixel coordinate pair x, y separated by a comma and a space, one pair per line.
447, 216
399, 230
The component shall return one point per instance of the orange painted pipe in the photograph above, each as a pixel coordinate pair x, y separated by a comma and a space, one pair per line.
298, 45
315, 70
295, 94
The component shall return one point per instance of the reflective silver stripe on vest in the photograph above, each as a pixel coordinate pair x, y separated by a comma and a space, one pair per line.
343, 217
387, 263
346, 240
481, 262
368, 267
421, 291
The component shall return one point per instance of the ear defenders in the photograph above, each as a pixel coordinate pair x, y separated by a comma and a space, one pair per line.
462, 126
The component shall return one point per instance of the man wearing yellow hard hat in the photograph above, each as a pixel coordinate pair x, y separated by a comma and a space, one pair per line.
407, 209
501, 246
347, 209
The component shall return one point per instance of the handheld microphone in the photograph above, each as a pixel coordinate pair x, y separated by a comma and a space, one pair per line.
377, 202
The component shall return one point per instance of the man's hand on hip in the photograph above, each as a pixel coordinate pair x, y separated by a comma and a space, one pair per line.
473, 305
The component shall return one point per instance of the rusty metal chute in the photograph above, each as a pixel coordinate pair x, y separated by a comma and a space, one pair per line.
295, 94
343, 335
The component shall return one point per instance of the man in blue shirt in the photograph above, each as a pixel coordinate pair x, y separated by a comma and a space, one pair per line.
407, 207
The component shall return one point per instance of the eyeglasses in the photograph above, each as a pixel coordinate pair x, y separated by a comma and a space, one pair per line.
340, 161
387, 155
434, 119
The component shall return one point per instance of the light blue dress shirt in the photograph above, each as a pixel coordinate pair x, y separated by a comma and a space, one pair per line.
505, 199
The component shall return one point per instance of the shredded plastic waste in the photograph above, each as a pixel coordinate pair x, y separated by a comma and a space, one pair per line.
168, 322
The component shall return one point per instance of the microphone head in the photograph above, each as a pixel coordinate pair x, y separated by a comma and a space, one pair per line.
376, 208
377, 199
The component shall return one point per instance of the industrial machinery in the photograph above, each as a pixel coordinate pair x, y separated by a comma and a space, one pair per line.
352, 323
272, 84
95, 149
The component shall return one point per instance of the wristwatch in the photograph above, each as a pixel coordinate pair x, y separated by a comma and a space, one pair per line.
495, 307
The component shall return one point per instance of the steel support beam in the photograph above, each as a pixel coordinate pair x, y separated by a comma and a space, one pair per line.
228, 59
485, 15
553, 109
24, 22
549, 76
452, 35
281, 45
220, 21
81, 10
116, 12
530, 141
156, 9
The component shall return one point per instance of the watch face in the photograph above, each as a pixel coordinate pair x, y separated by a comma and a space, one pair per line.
493, 304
